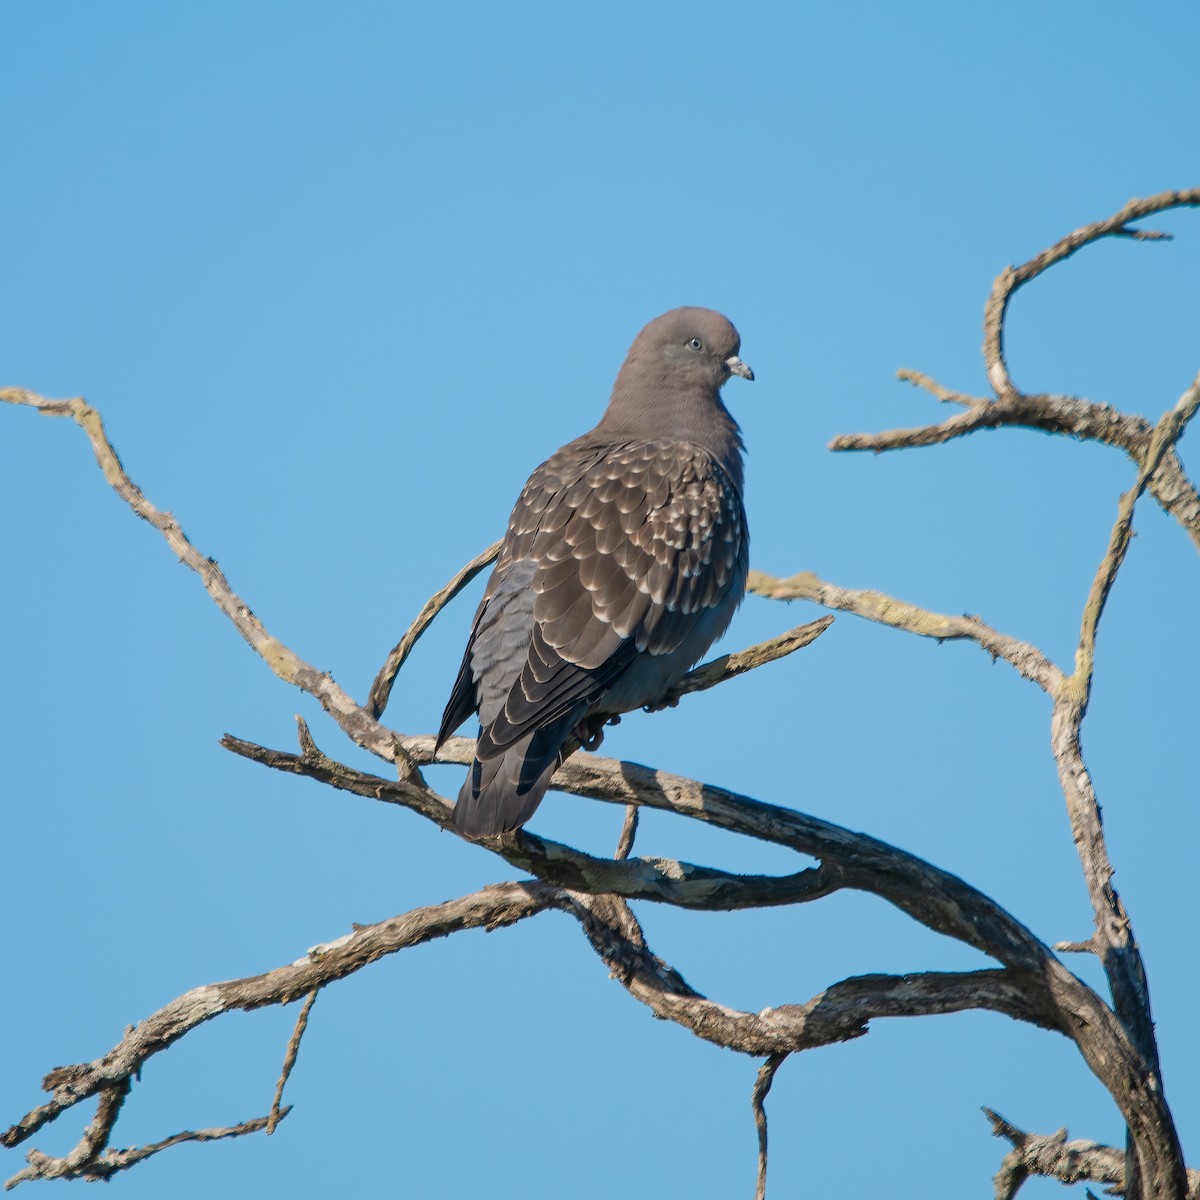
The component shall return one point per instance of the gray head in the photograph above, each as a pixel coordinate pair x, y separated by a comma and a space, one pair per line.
690, 348
669, 385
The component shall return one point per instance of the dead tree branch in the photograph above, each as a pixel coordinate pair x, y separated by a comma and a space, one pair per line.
1051, 1156
493, 907
758, 1096
1027, 660
1035, 988
381, 689
1069, 415
289, 1059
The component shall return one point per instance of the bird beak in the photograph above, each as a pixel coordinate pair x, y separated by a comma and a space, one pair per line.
737, 367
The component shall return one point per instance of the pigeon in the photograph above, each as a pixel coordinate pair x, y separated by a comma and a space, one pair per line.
624, 559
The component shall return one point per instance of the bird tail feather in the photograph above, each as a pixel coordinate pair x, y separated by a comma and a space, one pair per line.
502, 790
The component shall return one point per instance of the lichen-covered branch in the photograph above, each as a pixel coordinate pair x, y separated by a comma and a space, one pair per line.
1051, 1156
1035, 987
1027, 660
1069, 415
666, 880
1113, 940
109, 1162
841, 1012
111, 1075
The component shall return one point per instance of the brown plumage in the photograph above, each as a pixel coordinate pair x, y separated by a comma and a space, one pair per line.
625, 557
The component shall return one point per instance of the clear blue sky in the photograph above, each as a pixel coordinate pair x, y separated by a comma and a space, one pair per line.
338, 277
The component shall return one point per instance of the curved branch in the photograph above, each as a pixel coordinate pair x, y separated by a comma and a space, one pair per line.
663, 879
1113, 940
1012, 279
758, 1096
492, 907
1026, 659
381, 689
730, 666
1067, 415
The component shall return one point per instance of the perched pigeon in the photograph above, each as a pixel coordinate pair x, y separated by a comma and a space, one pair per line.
625, 558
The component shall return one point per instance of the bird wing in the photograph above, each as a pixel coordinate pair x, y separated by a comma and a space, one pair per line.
632, 548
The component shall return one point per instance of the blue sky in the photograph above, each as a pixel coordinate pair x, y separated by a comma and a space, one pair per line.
338, 277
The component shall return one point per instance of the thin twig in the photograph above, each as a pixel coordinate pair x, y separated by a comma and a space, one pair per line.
758, 1095
1167, 432
628, 832
1012, 279
729, 666
381, 689
289, 1059
107, 1164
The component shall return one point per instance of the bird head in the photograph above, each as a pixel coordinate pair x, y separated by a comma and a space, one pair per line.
691, 347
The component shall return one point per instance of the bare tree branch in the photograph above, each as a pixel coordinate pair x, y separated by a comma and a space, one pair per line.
1012, 279
1036, 987
1051, 1156
840, 1012
106, 1164
668, 880
381, 689
758, 1096
1113, 940
289, 1059
1069, 415
628, 833
1028, 660
492, 907
354, 721
1166, 433
729, 666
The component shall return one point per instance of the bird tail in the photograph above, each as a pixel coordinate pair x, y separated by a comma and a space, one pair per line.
503, 789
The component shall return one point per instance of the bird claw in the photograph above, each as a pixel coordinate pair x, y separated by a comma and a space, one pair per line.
590, 731
671, 702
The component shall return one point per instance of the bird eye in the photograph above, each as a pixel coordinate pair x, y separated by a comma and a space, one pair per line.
696, 344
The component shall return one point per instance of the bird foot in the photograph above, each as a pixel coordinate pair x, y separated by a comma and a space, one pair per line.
670, 702
590, 731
